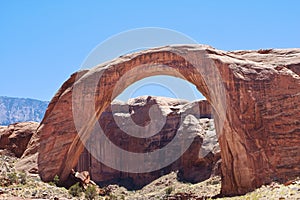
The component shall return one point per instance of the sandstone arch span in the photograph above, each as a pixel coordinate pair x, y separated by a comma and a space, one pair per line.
255, 95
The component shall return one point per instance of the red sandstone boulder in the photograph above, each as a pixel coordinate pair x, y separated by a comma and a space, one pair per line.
16, 137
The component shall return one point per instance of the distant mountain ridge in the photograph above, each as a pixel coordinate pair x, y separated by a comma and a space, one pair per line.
14, 110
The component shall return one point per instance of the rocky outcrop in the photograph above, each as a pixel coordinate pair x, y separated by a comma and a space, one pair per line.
255, 96
192, 165
16, 137
20, 140
29, 159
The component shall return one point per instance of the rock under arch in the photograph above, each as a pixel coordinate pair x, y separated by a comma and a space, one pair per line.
255, 95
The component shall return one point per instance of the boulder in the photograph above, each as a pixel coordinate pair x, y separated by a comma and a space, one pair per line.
16, 137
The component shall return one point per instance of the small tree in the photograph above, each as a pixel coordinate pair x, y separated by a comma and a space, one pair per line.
75, 190
90, 192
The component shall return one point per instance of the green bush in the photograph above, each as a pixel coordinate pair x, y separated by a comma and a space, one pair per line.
13, 178
51, 183
56, 180
111, 197
90, 192
169, 190
75, 190
23, 178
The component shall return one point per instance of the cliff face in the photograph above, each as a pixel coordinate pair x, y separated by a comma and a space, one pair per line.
14, 110
192, 166
255, 96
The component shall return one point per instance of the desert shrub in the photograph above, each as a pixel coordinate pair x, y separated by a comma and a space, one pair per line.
12, 177
51, 183
111, 197
90, 192
169, 190
75, 190
215, 182
56, 180
23, 178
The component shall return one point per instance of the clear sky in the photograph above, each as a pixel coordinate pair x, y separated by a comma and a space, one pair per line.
43, 42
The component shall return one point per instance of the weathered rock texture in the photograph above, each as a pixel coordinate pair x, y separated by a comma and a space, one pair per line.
255, 95
192, 166
16, 137
29, 159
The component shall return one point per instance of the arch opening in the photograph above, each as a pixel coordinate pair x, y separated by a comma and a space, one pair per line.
146, 123
162, 86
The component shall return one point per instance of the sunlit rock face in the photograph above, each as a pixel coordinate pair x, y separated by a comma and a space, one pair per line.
255, 96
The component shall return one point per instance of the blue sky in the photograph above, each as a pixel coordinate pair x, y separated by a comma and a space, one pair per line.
43, 42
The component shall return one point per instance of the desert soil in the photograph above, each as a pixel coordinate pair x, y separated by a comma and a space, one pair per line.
166, 187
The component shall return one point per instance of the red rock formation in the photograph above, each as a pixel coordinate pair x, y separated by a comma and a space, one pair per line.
16, 137
255, 95
28, 161
192, 166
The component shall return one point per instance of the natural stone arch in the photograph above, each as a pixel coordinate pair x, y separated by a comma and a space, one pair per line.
256, 88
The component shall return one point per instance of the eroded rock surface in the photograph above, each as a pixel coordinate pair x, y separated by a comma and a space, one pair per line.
255, 95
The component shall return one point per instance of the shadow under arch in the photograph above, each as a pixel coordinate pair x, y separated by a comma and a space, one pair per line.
81, 100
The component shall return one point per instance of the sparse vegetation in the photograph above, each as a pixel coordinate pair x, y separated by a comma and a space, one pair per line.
23, 178
13, 178
75, 190
23, 185
214, 181
90, 192
17, 184
111, 197
56, 180
51, 183
169, 190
